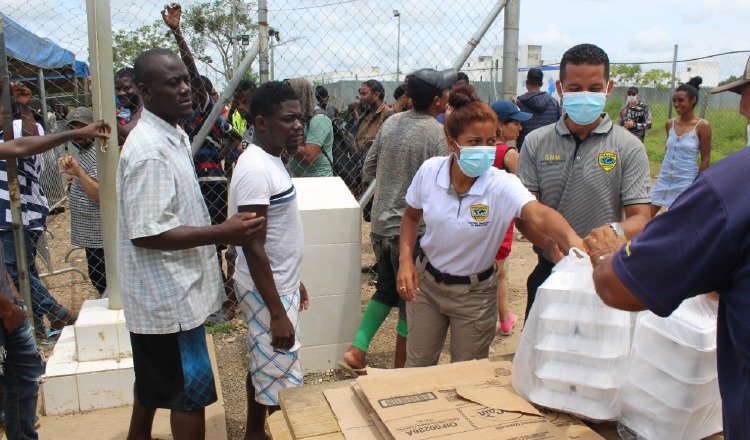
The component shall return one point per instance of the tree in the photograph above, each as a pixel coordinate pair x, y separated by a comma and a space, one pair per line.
207, 28
658, 78
627, 74
731, 79
126, 45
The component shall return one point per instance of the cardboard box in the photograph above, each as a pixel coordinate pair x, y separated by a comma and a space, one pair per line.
359, 420
467, 400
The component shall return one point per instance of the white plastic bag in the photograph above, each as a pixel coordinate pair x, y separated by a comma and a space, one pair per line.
573, 350
671, 390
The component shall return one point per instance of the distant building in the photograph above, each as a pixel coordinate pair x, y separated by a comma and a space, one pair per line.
708, 70
490, 67
361, 74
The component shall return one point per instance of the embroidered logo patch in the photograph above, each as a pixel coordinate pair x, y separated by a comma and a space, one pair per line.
607, 161
479, 212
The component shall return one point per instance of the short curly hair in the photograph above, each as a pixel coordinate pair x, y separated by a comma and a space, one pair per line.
584, 54
268, 98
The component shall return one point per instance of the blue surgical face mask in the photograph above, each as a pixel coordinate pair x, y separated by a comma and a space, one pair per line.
584, 107
475, 161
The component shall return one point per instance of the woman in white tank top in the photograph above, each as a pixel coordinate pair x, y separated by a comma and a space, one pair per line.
688, 137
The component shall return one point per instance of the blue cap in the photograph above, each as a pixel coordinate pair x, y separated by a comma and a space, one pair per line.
505, 110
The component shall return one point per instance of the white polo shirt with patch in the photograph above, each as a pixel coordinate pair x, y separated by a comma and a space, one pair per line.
463, 233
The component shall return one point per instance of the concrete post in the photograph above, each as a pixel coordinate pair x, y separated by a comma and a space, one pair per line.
103, 98
510, 48
263, 39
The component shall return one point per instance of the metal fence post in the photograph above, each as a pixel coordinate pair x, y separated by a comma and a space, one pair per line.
103, 83
43, 99
14, 192
472, 44
674, 78
224, 97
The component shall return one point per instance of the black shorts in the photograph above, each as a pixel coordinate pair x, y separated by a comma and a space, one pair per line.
173, 371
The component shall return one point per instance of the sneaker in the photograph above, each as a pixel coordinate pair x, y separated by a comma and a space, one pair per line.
506, 327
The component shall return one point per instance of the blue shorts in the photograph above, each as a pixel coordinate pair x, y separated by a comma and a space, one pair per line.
173, 371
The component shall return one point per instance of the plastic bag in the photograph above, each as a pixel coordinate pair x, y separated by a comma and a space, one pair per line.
573, 351
671, 389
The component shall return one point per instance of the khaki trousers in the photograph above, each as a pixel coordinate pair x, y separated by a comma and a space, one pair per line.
469, 310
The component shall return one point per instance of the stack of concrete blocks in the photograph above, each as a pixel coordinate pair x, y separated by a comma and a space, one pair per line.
91, 366
331, 270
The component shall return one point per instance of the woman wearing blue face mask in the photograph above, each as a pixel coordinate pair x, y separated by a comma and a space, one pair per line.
467, 206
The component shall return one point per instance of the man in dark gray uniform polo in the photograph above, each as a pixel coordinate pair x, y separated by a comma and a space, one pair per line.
585, 167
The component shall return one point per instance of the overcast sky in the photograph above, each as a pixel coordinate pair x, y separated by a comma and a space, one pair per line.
329, 35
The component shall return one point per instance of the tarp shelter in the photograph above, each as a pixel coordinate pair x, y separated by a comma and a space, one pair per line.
31, 57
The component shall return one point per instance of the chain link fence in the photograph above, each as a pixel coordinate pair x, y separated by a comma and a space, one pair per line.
334, 44
337, 45
654, 80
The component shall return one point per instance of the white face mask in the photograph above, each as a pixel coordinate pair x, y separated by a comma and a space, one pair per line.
631, 99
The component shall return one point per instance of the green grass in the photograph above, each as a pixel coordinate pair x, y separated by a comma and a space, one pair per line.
219, 328
727, 130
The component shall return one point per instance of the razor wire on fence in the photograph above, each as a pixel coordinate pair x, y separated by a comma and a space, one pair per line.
337, 47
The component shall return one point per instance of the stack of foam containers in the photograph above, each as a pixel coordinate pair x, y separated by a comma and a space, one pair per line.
671, 390
580, 354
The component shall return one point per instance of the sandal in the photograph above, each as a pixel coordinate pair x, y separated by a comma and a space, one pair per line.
351, 371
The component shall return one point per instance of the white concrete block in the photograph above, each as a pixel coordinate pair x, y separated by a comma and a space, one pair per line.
330, 214
60, 395
331, 226
123, 339
63, 355
94, 304
97, 342
127, 380
330, 320
332, 269
321, 357
65, 347
99, 385
62, 368
68, 335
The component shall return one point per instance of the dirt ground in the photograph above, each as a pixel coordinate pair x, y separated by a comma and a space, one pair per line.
71, 287
231, 349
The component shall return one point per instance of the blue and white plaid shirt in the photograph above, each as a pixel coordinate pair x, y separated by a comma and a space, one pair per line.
157, 190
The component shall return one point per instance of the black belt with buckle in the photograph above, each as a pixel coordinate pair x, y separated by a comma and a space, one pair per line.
447, 278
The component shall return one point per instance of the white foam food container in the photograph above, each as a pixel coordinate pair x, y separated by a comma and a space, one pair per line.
653, 420
666, 388
613, 366
692, 324
685, 363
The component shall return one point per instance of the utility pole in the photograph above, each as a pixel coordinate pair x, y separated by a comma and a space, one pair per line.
398, 45
510, 48
263, 39
235, 40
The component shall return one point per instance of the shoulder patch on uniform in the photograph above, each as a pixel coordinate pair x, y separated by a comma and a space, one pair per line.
479, 212
607, 160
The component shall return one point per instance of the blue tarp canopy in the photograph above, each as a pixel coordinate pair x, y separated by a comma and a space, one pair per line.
24, 45
27, 52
